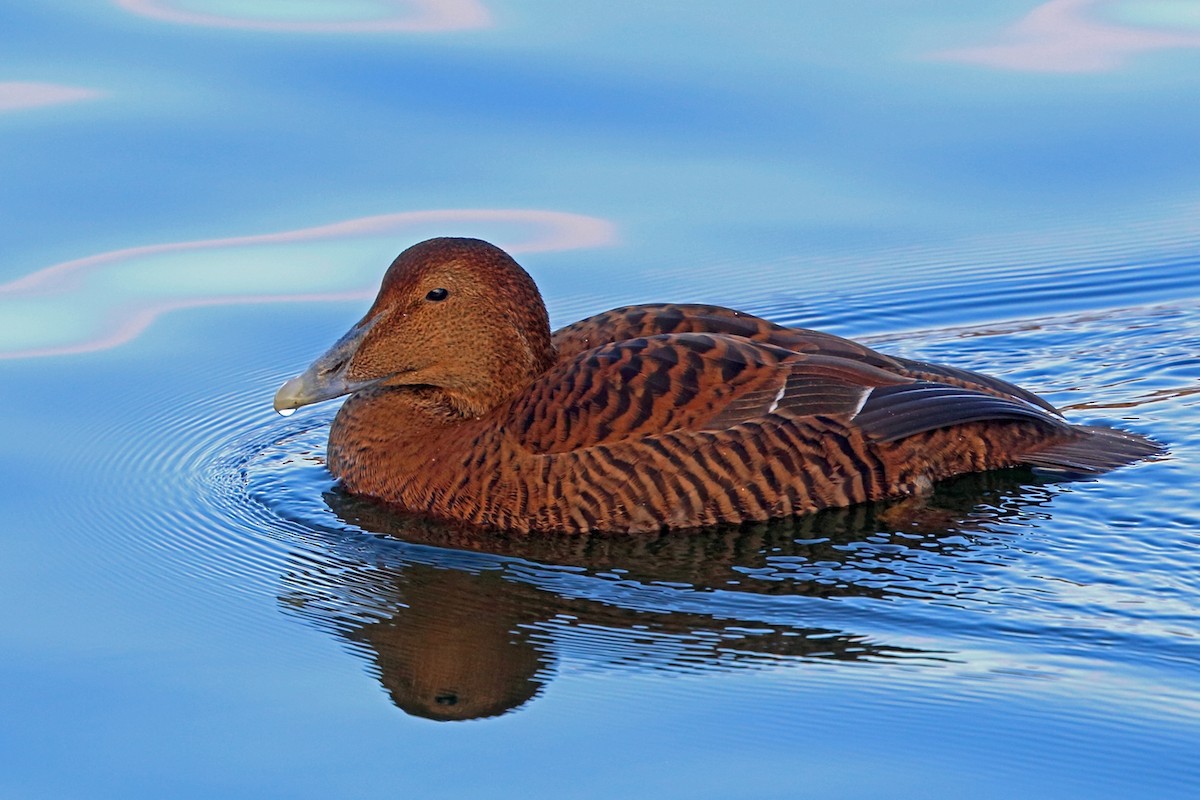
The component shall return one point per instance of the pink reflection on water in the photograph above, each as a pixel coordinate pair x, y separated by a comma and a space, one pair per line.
551, 230
398, 15
17, 95
1060, 36
138, 320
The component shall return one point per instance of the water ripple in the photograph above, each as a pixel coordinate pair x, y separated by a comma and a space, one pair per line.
998, 574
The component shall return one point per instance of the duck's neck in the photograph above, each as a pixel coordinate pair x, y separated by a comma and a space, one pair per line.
497, 374
386, 442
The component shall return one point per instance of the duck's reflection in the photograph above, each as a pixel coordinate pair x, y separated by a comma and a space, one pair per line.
461, 625
455, 646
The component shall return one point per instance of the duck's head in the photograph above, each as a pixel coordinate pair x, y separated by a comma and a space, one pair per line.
456, 314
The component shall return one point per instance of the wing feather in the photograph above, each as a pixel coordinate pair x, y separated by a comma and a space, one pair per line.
894, 412
653, 385
649, 320
736, 369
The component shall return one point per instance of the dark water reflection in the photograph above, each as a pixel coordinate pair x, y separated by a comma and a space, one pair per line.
460, 625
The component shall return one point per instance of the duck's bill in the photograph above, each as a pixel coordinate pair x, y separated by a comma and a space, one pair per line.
304, 390
326, 378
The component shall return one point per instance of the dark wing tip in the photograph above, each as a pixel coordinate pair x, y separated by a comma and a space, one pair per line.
969, 379
895, 412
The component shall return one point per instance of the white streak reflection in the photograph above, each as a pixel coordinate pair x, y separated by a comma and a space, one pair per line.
108, 299
19, 95
404, 16
1066, 36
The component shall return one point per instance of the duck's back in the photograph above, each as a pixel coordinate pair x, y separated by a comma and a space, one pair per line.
693, 429
629, 322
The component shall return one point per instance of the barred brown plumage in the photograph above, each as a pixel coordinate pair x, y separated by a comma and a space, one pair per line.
466, 408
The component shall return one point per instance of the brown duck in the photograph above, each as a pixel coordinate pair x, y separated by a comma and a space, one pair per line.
464, 407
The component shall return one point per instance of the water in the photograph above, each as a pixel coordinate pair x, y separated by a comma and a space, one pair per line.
207, 194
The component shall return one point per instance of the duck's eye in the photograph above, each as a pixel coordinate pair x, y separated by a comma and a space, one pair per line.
437, 294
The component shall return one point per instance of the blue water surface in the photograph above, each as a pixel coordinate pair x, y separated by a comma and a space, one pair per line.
199, 196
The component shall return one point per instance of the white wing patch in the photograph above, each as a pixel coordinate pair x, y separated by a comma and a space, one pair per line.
779, 396
862, 401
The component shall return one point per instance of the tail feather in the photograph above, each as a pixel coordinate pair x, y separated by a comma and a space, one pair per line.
1094, 450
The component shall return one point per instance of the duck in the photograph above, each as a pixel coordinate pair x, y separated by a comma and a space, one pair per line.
464, 408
